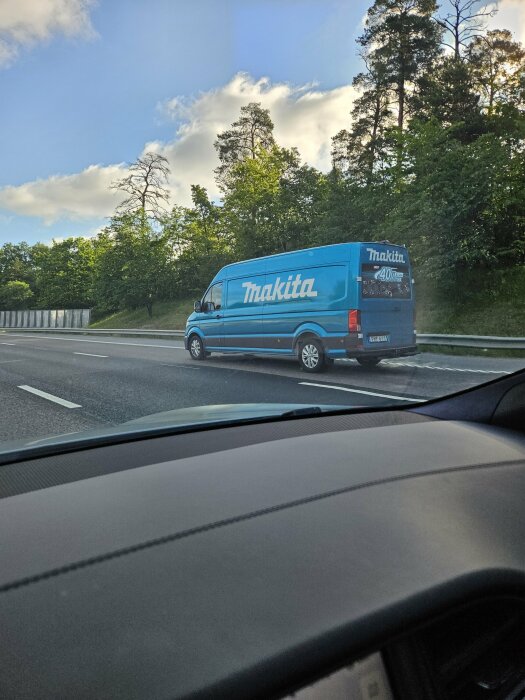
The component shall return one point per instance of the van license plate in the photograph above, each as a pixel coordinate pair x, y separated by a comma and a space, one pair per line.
378, 338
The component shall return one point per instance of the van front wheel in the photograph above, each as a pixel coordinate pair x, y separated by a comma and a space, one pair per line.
311, 355
196, 348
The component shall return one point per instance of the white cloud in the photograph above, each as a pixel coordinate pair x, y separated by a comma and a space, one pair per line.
26, 22
305, 117
82, 195
510, 15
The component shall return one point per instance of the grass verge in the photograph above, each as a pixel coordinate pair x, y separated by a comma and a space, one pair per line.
167, 315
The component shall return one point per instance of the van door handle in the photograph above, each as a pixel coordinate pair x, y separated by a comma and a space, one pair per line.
218, 315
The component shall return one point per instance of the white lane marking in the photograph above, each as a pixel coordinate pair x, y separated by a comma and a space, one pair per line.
362, 391
7, 343
49, 397
89, 354
445, 369
6, 362
393, 363
106, 342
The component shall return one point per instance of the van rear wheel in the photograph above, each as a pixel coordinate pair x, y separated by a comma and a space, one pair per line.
196, 348
311, 355
369, 361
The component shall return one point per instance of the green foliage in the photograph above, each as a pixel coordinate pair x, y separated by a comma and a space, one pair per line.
447, 95
498, 65
135, 268
15, 295
402, 41
202, 242
253, 130
64, 274
271, 202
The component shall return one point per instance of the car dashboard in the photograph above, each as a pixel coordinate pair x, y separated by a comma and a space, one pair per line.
377, 553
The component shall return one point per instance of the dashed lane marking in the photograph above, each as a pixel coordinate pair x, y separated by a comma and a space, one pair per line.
49, 397
89, 354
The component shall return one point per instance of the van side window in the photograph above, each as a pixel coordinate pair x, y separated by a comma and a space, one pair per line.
214, 294
216, 297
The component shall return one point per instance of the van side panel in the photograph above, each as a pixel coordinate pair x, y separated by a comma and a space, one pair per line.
318, 295
242, 326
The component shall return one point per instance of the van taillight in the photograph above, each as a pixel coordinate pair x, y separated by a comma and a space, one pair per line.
354, 321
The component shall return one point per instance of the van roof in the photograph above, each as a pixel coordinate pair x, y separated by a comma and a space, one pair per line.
321, 247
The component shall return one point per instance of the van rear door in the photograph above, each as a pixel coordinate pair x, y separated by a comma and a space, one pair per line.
386, 298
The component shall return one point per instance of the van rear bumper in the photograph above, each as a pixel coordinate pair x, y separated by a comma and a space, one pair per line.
385, 352
351, 346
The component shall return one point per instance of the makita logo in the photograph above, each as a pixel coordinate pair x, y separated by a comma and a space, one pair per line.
388, 274
391, 256
288, 289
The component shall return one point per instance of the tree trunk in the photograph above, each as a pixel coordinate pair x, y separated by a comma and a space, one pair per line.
373, 141
149, 308
401, 112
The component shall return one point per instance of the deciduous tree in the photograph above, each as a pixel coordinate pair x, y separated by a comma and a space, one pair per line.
145, 187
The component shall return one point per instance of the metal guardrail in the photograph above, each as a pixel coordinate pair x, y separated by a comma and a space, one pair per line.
101, 331
490, 342
461, 341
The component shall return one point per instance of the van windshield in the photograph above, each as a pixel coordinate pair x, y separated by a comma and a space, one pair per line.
385, 281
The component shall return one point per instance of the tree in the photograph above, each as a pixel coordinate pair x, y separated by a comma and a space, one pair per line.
15, 294
17, 263
447, 94
202, 241
252, 131
498, 65
462, 21
145, 186
271, 202
358, 151
65, 272
134, 269
462, 208
401, 42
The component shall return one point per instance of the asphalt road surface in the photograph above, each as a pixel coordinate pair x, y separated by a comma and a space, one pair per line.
54, 384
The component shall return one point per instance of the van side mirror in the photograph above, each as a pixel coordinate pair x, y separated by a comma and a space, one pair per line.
197, 306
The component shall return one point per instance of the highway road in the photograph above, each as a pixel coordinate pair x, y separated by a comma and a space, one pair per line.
55, 384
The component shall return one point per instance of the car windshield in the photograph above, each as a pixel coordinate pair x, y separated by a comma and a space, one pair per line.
217, 212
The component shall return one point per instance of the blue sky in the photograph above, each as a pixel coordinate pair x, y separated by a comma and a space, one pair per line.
92, 98
85, 90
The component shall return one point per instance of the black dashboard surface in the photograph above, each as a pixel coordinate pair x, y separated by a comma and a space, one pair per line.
240, 570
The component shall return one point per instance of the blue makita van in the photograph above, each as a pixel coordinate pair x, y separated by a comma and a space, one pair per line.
345, 300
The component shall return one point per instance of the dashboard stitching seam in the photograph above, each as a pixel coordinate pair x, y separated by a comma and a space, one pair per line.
183, 534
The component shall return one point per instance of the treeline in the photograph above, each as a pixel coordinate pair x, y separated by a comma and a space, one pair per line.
434, 157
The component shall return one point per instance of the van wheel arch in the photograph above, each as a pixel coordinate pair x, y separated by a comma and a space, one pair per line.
305, 335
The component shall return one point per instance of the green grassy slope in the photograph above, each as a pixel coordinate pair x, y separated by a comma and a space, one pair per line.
168, 315
485, 303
